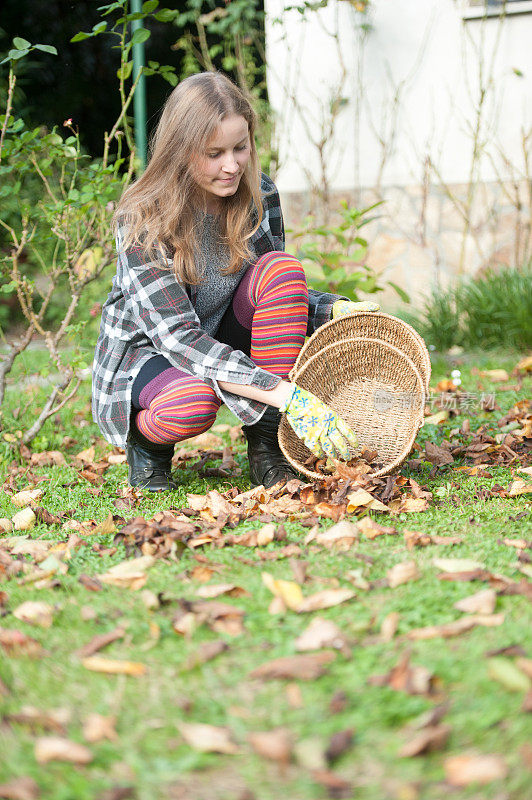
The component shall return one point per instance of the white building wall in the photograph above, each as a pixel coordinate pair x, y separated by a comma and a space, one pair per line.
420, 47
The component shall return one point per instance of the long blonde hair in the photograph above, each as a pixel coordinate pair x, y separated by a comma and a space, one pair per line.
159, 208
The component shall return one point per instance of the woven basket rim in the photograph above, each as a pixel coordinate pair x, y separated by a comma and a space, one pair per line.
415, 428
418, 339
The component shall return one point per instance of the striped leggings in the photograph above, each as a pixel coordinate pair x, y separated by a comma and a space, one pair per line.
267, 319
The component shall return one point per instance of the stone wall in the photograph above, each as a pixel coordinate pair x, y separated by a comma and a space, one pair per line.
428, 236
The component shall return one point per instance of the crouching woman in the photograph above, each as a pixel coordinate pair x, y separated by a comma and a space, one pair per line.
206, 307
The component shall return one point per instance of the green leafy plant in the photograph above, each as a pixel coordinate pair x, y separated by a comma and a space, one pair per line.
56, 213
490, 311
333, 255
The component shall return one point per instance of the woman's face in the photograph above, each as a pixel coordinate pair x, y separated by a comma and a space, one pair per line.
218, 171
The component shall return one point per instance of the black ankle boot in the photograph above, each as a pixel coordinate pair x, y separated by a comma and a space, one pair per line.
149, 464
267, 464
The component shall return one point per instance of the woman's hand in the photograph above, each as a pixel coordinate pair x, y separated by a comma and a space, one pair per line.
319, 427
343, 307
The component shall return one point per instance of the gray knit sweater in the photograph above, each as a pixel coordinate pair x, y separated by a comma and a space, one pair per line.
214, 293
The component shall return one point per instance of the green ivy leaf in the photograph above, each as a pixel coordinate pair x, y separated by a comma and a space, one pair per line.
125, 70
166, 15
149, 6
79, 37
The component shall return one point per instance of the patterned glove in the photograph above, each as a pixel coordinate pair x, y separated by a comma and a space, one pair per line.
320, 428
343, 307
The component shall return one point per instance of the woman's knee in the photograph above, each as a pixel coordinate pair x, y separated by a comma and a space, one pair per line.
280, 271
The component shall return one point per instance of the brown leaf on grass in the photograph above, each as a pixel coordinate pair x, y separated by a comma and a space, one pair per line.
26, 497
301, 667
338, 702
16, 643
361, 498
22, 788
371, 529
56, 748
343, 532
219, 589
327, 598
35, 612
468, 768
45, 517
106, 527
336, 786
408, 505
519, 487
207, 738
401, 573
453, 565
482, 602
321, 633
431, 738
205, 652
288, 592
130, 574
339, 743
86, 456
275, 745
100, 641
90, 583
389, 626
113, 666
525, 665
438, 455
55, 720
97, 727
220, 617
409, 678
455, 628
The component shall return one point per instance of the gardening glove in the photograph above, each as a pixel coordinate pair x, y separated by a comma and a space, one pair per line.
319, 427
343, 307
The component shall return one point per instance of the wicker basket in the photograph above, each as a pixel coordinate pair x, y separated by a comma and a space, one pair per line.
375, 387
371, 325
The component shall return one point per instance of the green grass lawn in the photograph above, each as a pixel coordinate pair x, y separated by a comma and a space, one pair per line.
149, 753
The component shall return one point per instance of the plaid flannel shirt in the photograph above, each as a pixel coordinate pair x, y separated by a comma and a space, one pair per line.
149, 313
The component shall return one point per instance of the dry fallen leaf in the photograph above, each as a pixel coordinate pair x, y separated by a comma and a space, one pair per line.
219, 589
130, 574
372, 529
360, 498
205, 652
24, 520
433, 737
407, 677
275, 745
404, 572
26, 497
16, 643
22, 788
457, 627
468, 768
327, 598
457, 564
389, 626
320, 633
495, 375
35, 612
517, 487
55, 720
302, 667
99, 641
97, 727
341, 532
288, 591
207, 738
338, 744
56, 748
114, 666
482, 602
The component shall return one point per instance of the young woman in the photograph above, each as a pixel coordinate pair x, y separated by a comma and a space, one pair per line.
206, 307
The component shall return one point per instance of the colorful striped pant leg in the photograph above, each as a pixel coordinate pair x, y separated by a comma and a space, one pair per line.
185, 407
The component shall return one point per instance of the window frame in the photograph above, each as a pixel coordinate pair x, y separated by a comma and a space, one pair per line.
481, 11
